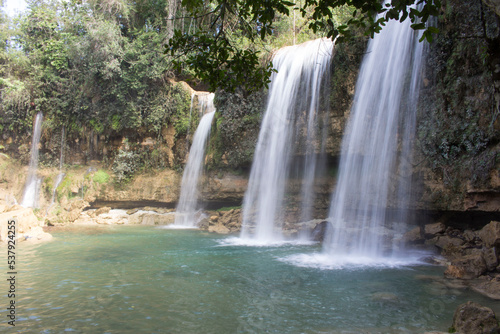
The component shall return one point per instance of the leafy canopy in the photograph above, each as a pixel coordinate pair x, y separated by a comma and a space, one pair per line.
212, 46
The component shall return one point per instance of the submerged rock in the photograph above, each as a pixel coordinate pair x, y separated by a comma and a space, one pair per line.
488, 286
473, 318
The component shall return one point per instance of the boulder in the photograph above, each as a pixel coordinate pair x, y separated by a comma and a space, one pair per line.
490, 234
488, 286
151, 218
218, 228
467, 267
430, 230
491, 258
318, 232
446, 241
36, 234
473, 318
27, 225
470, 236
102, 210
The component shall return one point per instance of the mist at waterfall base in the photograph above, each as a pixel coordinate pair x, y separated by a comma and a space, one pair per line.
33, 182
188, 214
144, 279
375, 165
291, 117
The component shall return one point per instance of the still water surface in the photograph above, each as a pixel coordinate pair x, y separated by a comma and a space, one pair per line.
128, 279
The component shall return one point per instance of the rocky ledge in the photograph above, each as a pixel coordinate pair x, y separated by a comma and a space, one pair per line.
471, 256
28, 227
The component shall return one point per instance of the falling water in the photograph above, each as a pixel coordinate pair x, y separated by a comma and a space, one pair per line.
187, 212
290, 121
61, 175
32, 185
376, 149
205, 103
61, 157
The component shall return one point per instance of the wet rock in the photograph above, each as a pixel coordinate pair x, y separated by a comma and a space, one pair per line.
488, 286
470, 236
385, 297
102, 210
36, 234
430, 230
318, 232
473, 318
446, 241
214, 218
467, 267
151, 218
218, 228
490, 234
491, 258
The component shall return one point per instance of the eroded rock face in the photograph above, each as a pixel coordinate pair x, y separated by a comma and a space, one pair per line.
490, 234
493, 4
223, 222
472, 318
467, 267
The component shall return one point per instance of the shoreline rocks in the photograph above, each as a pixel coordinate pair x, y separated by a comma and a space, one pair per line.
473, 318
28, 227
471, 256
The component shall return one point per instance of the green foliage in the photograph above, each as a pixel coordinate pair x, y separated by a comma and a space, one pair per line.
456, 130
101, 177
47, 186
238, 120
217, 56
64, 188
125, 165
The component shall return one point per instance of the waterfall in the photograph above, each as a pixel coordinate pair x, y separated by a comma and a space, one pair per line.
32, 185
61, 175
375, 165
187, 211
205, 103
290, 125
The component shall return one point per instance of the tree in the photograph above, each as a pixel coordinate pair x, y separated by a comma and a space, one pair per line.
211, 51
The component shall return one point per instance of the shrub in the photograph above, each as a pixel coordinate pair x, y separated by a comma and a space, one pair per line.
125, 165
101, 177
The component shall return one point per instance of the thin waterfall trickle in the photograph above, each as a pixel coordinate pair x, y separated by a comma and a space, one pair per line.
61, 174
33, 182
375, 165
290, 124
187, 212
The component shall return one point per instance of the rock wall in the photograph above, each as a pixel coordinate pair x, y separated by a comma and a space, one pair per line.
458, 152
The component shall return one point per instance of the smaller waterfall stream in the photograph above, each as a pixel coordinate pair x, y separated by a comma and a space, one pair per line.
33, 182
187, 212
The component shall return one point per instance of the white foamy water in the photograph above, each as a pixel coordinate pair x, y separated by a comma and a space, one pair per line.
250, 242
33, 183
327, 262
291, 113
187, 211
375, 165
